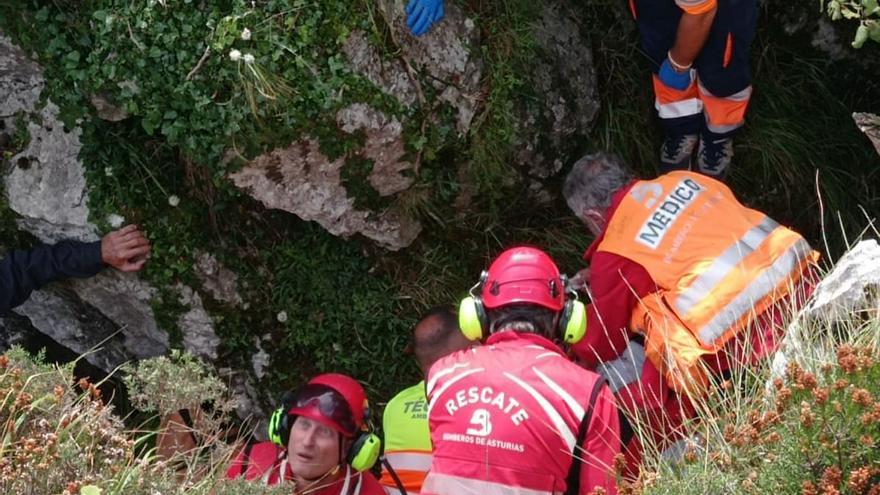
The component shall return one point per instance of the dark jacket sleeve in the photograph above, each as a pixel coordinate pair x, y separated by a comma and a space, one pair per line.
23, 272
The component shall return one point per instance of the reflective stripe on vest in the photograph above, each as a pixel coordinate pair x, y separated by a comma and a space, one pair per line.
778, 273
448, 384
407, 440
409, 461
626, 369
713, 259
564, 431
703, 285
447, 484
396, 491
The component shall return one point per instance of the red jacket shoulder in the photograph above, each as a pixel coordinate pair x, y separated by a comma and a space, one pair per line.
256, 459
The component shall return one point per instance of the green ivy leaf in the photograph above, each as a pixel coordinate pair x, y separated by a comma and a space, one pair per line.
874, 30
90, 490
861, 36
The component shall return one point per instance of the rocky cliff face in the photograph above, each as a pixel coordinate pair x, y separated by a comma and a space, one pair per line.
447, 63
439, 76
45, 186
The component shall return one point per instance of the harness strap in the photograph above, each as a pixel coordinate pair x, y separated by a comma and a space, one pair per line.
394, 476
573, 481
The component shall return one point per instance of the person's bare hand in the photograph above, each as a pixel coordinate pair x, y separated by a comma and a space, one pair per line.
580, 280
125, 249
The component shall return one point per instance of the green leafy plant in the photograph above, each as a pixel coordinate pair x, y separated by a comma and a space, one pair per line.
867, 12
60, 436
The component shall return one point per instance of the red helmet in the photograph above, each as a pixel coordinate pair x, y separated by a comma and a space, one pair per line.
523, 275
334, 400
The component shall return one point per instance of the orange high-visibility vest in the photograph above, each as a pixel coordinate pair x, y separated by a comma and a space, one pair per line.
717, 263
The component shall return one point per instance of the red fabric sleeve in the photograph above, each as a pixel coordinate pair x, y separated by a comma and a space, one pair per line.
234, 469
616, 285
600, 446
370, 485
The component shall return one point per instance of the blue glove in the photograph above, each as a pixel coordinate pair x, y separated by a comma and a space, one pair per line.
672, 79
421, 14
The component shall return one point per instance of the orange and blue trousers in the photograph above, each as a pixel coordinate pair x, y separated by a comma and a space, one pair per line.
717, 100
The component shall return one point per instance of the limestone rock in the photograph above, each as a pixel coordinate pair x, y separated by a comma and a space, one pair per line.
60, 316
384, 146
849, 293
448, 54
21, 80
260, 359
199, 337
869, 123
47, 185
389, 76
125, 300
220, 282
848, 289
301, 180
552, 126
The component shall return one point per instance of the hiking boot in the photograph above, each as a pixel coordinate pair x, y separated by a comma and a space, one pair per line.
676, 152
714, 155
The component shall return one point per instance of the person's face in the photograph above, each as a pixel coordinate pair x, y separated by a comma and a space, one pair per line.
313, 449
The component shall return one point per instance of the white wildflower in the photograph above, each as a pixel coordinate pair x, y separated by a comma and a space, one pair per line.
281, 316
108, 171
234, 55
337, 347
248, 58
246, 34
115, 220
173, 200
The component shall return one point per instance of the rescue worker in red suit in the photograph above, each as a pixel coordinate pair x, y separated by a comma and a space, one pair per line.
515, 416
320, 440
685, 283
702, 78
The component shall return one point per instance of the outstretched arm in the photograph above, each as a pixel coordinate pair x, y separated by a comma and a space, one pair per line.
693, 31
22, 272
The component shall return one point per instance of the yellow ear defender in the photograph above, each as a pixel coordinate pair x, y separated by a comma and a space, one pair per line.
573, 320
472, 317
364, 451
